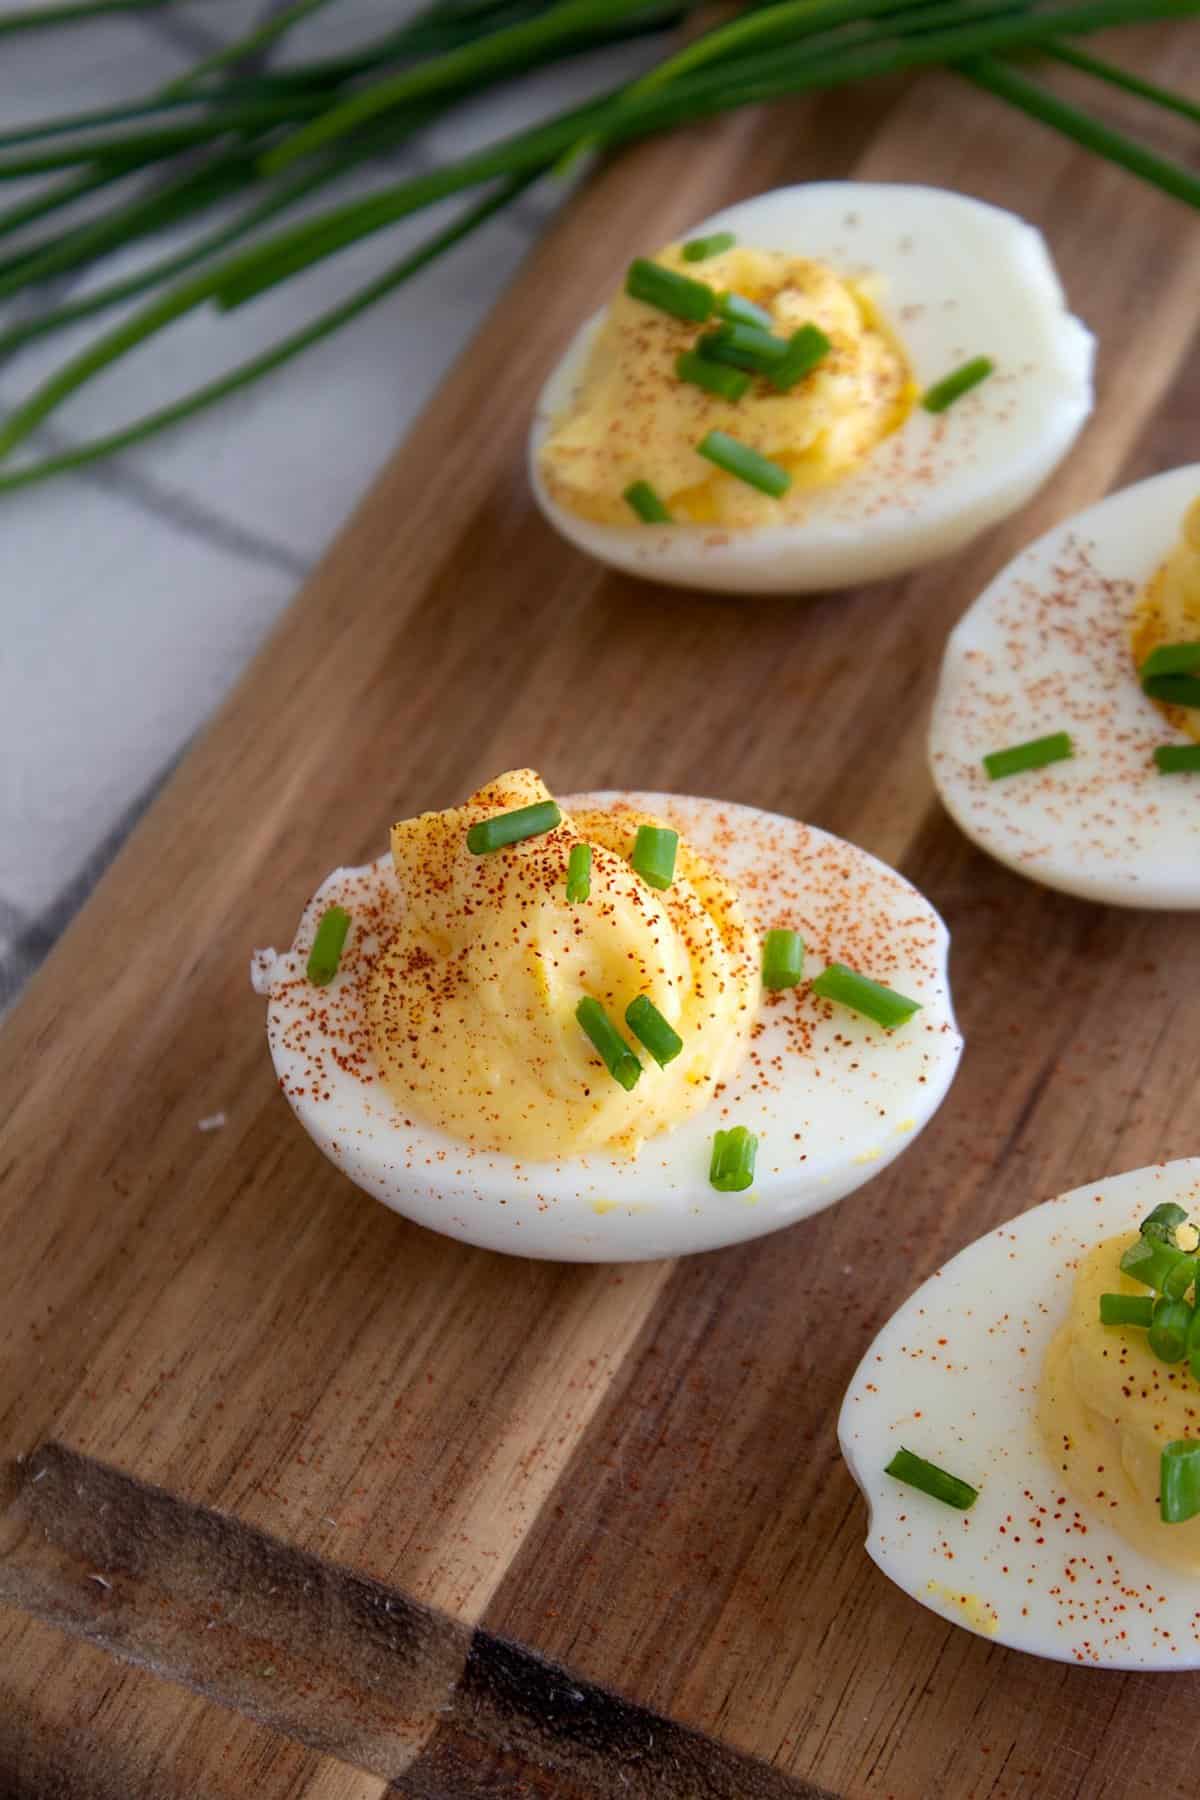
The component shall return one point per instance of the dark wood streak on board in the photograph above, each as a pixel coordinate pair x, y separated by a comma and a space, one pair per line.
319, 1653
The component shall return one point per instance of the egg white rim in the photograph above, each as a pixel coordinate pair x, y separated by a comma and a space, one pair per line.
930, 510
968, 1336
659, 1213
1125, 812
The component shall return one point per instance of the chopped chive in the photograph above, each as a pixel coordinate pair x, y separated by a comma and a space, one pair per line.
652, 1030
1163, 1222
1173, 690
698, 249
646, 504
327, 947
714, 378
740, 311
931, 1480
608, 1043
783, 959
959, 382
654, 854
861, 994
1171, 659
746, 464
1126, 1309
579, 873
1032, 755
743, 347
806, 348
1176, 759
670, 292
1161, 1266
731, 1170
1179, 1481
1168, 1337
513, 827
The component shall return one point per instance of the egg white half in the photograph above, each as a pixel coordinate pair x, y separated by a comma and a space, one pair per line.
954, 1377
832, 1097
1046, 648
959, 279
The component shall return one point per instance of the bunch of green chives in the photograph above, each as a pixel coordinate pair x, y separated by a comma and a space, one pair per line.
233, 129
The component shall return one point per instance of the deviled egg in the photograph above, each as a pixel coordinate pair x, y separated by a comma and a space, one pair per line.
619, 1026
1026, 1429
824, 385
1054, 743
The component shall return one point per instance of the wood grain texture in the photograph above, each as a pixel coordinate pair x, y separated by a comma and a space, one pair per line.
632, 1470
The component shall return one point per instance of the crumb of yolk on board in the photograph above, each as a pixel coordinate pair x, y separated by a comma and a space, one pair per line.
979, 1614
1107, 1403
633, 419
472, 1001
1168, 610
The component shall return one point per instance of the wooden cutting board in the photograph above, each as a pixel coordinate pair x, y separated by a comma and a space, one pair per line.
297, 1499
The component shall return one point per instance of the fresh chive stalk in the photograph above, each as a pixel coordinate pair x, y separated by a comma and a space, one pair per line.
848, 988
608, 1043
71, 12
642, 499
791, 47
747, 465
579, 874
700, 249
175, 304
1127, 1309
1002, 80
1168, 1336
960, 381
746, 347
252, 43
326, 954
513, 827
652, 1031
1126, 79
739, 311
1171, 659
1035, 754
731, 1169
1179, 1481
950, 1489
807, 349
1173, 690
1163, 1222
783, 959
1160, 1266
1177, 759
654, 854
713, 377
669, 291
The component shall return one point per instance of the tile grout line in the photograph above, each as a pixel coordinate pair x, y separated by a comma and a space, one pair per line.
180, 510
184, 35
36, 933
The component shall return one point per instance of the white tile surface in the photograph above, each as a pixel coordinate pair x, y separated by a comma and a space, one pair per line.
290, 457
134, 593
119, 639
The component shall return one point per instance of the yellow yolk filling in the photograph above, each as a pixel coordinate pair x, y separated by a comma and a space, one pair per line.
1168, 611
1107, 1406
633, 419
472, 1003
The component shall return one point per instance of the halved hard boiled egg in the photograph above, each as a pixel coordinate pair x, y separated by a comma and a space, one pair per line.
1052, 650
904, 285
471, 1020
1000, 1373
